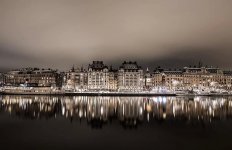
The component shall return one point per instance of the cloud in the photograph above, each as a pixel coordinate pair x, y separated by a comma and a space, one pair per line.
57, 33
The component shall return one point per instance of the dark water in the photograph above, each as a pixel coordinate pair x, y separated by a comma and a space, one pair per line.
44, 122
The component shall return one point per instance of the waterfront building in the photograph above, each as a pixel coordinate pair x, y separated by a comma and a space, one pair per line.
193, 77
130, 77
113, 81
32, 77
1, 79
60, 80
98, 76
167, 78
76, 79
201, 76
228, 79
147, 80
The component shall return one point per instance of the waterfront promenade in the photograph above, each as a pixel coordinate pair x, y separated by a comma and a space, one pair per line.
63, 93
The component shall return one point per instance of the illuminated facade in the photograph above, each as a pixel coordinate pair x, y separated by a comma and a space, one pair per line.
193, 77
113, 82
76, 79
32, 77
130, 77
1, 79
147, 79
167, 78
98, 76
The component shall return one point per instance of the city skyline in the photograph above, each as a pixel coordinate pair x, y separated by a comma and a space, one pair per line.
116, 66
57, 34
116, 74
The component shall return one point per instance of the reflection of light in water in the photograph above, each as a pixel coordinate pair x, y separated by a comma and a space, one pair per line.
140, 110
148, 108
132, 110
101, 110
164, 115
164, 100
155, 99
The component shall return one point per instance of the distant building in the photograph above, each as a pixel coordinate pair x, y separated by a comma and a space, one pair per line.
1, 79
113, 80
130, 77
32, 77
228, 79
147, 80
98, 76
192, 77
60, 79
76, 79
167, 78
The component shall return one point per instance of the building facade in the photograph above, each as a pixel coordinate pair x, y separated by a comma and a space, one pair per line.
130, 77
192, 77
113, 82
147, 80
1, 79
167, 78
98, 76
31, 77
76, 79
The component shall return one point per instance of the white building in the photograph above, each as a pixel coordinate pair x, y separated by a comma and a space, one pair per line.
130, 77
98, 76
113, 81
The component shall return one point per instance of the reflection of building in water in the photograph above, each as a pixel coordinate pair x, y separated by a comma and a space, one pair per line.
33, 108
128, 110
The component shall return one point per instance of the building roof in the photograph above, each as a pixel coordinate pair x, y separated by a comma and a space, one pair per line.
97, 66
212, 70
129, 65
227, 73
173, 72
32, 71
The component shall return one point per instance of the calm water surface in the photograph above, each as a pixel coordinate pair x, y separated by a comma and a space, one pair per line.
47, 122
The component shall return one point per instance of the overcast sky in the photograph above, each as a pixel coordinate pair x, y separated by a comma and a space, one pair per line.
169, 33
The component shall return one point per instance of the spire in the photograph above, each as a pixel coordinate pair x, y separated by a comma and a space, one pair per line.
111, 67
72, 68
200, 64
147, 69
82, 67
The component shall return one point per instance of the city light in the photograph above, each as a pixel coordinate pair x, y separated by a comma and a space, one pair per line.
129, 78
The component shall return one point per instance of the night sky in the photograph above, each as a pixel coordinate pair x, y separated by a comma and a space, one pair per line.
60, 33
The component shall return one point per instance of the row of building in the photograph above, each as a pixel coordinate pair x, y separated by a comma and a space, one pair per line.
128, 77
33, 77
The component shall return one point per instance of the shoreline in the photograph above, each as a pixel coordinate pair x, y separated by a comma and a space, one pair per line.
109, 94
